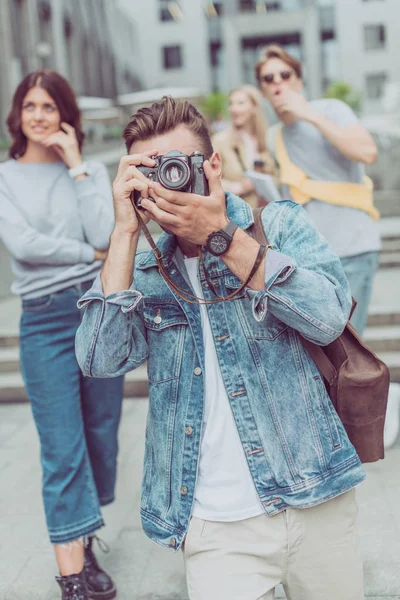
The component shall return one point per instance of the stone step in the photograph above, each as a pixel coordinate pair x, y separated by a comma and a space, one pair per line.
9, 359
389, 260
391, 245
384, 338
380, 317
12, 387
136, 384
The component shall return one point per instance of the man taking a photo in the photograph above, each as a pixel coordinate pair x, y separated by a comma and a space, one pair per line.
248, 468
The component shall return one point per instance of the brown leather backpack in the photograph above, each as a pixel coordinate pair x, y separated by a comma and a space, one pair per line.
357, 381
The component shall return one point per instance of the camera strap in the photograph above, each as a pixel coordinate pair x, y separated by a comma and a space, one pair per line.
187, 296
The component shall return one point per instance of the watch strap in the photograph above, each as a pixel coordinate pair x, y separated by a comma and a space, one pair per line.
230, 228
81, 169
228, 232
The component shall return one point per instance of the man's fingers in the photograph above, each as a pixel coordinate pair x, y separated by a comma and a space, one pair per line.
159, 215
134, 173
135, 160
214, 181
165, 205
174, 197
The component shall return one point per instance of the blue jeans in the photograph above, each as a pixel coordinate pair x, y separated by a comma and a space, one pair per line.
360, 271
76, 417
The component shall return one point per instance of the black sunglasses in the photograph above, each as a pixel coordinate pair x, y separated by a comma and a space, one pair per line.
270, 77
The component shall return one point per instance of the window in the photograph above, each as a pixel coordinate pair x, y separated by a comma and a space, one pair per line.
375, 83
247, 5
214, 9
374, 37
170, 11
172, 57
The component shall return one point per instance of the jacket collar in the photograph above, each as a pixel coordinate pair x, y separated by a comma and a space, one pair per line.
237, 210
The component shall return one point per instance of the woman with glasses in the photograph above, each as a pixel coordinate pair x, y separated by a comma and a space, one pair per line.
56, 216
242, 145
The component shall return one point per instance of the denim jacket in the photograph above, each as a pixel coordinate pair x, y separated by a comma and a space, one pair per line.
296, 447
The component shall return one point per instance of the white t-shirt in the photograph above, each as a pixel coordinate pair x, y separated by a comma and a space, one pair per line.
225, 490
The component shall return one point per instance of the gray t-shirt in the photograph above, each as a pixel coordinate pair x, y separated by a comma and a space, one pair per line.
51, 224
349, 231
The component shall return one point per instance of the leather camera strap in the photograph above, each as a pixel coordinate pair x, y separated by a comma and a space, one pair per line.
185, 295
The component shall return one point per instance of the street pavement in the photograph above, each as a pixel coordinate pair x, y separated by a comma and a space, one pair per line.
142, 570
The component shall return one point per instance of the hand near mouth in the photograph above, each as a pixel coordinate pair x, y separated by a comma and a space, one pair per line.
291, 102
65, 143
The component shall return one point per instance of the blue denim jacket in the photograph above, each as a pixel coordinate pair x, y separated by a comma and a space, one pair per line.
296, 447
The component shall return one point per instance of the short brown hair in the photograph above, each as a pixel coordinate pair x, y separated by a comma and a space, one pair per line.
165, 116
63, 95
276, 51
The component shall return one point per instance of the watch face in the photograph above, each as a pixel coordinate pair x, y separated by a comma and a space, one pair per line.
218, 244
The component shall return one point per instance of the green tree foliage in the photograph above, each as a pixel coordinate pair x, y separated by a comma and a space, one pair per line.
214, 106
343, 91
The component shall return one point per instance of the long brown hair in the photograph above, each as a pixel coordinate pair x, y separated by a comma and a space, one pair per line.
64, 97
165, 116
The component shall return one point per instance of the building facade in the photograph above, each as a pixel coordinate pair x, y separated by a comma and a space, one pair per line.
368, 34
215, 44
174, 43
90, 42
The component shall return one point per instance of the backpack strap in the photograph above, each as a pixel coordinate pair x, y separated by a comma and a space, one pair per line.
257, 228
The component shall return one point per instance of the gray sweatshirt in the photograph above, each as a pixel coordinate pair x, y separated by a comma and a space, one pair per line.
51, 224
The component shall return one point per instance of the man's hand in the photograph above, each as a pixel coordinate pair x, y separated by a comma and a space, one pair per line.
128, 179
291, 102
189, 216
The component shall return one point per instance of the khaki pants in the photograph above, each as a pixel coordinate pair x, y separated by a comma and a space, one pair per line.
312, 552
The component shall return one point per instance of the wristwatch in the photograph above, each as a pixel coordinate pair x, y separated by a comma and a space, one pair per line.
79, 170
218, 242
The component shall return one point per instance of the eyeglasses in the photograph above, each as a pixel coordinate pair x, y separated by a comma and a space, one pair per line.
270, 77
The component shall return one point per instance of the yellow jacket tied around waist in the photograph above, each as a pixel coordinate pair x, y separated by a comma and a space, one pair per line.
303, 189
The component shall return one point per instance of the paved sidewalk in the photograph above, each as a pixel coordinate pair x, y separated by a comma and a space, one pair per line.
142, 570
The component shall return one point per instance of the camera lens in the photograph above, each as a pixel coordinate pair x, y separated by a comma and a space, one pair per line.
174, 174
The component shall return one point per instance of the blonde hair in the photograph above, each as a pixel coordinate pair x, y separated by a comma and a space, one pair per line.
165, 116
260, 121
276, 51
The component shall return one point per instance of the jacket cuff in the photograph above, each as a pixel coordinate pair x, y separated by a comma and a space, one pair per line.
86, 187
278, 268
128, 300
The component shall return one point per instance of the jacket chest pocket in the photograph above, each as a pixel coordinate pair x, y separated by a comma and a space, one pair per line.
166, 327
268, 329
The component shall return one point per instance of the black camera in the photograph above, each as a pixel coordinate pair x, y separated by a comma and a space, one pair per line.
176, 171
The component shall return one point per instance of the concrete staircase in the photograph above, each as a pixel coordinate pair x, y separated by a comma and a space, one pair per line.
382, 334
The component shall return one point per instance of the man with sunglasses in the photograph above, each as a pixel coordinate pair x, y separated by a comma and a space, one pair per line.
321, 148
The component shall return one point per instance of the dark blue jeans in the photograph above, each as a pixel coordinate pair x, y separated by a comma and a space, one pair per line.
76, 417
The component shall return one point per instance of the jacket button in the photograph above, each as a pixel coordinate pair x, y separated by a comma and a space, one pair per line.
172, 542
188, 430
184, 490
197, 371
157, 319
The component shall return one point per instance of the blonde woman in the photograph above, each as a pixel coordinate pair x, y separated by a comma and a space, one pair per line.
242, 145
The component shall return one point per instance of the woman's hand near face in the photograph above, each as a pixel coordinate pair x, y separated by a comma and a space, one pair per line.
65, 143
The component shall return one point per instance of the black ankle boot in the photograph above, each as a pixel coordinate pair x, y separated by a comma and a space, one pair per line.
100, 585
73, 587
